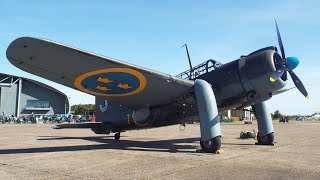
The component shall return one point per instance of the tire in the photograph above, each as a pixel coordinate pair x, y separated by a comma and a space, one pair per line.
212, 145
117, 136
266, 140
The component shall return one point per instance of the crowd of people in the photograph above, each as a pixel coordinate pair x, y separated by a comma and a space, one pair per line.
31, 119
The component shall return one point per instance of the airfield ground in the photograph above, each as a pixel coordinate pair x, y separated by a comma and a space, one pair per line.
39, 152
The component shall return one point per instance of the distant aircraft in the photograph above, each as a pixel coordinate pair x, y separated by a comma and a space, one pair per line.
315, 116
132, 97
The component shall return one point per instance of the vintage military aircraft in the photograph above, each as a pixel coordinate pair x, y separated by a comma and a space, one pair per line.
130, 97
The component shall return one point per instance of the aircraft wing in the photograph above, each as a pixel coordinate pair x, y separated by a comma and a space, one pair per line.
282, 91
120, 82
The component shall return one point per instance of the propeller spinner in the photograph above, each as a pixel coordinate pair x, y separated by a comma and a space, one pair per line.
287, 65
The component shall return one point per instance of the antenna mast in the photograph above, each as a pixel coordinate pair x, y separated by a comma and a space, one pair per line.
191, 68
185, 45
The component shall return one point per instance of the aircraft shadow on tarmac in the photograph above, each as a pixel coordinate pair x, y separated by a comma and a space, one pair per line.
106, 142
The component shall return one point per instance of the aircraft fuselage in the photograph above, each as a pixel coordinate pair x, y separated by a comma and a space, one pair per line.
239, 83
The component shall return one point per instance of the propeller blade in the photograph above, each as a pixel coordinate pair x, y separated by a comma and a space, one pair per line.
299, 84
275, 75
284, 76
280, 42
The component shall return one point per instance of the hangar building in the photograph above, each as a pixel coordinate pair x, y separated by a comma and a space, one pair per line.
22, 96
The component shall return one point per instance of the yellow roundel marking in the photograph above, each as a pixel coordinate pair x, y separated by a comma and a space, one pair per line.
128, 71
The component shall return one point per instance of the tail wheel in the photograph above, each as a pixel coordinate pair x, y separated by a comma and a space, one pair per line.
212, 145
117, 136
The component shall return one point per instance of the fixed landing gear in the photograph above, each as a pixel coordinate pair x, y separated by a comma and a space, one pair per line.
210, 140
212, 145
266, 140
117, 136
265, 126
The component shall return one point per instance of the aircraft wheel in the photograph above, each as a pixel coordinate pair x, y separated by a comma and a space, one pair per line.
266, 140
117, 136
212, 145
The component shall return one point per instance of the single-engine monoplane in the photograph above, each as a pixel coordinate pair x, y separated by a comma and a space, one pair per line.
131, 97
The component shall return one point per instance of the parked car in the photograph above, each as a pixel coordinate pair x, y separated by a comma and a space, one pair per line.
300, 118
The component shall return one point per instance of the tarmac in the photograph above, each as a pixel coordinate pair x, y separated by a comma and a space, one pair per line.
35, 151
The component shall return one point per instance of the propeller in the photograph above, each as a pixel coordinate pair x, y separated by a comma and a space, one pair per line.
287, 64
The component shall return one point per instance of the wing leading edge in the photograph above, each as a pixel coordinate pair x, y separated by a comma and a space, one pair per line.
120, 82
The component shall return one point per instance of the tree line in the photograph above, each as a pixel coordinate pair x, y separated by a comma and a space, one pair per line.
87, 109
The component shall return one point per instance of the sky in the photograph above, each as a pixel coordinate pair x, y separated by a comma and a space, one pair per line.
151, 33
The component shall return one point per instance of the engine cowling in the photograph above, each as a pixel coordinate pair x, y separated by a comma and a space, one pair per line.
245, 81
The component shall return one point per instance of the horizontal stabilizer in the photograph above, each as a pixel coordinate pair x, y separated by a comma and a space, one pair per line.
77, 125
